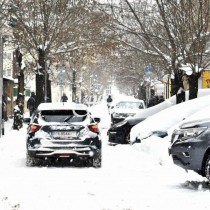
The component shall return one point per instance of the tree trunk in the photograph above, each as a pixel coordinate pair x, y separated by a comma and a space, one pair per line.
193, 85
49, 93
21, 83
39, 89
177, 87
142, 92
40, 81
74, 88
21, 90
18, 112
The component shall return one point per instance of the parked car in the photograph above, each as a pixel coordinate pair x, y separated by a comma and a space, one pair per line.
125, 108
63, 131
162, 121
190, 144
120, 133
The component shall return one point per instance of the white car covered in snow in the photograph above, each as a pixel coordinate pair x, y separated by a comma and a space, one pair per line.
163, 120
125, 108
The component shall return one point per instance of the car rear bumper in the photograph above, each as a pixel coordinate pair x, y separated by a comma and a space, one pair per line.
45, 148
64, 152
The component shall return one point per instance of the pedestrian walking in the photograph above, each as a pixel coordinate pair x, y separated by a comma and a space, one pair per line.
109, 101
64, 98
31, 103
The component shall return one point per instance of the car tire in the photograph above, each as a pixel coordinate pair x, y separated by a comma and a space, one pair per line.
127, 138
31, 161
207, 168
96, 162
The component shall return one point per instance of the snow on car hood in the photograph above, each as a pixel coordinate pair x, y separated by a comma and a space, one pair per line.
168, 118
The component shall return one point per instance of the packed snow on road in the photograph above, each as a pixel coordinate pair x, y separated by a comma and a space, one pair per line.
132, 177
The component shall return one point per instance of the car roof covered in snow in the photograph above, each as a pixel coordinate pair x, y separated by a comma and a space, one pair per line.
62, 106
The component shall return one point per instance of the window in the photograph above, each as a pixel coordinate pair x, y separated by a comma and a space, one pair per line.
130, 105
64, 115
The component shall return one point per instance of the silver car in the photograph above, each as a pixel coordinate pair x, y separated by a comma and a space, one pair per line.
63, 132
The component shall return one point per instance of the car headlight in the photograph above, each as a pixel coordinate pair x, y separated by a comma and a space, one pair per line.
188, 133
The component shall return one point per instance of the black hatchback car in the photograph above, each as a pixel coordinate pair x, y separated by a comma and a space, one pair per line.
120, 133
190, 147
63, 131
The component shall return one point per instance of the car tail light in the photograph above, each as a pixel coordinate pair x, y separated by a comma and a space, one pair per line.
94, 128
34, 128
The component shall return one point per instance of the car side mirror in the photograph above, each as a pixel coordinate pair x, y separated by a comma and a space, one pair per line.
160, 134
97, 119
26, 120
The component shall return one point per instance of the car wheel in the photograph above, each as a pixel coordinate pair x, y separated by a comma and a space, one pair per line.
96, 162
207, 168
31, 161
127, 138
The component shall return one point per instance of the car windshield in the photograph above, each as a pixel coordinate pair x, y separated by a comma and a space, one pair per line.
63, 115
130, 105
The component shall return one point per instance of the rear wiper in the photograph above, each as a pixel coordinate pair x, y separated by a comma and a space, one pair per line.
67, 118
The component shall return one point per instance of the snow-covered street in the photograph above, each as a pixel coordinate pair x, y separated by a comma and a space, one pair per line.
141, 176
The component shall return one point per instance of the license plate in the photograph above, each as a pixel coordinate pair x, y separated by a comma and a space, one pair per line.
64, 134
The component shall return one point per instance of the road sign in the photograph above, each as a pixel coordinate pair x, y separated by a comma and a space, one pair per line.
148, 69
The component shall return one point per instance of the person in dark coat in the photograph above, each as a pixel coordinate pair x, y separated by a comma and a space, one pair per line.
31, 103
161, 99
152, 101
109, 99
64, 98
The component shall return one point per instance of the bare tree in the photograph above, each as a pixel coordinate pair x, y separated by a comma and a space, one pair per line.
186, 24
174, 33
42, 29
47, 29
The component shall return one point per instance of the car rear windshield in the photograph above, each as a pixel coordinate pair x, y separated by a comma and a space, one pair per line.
63, 115
130, 105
